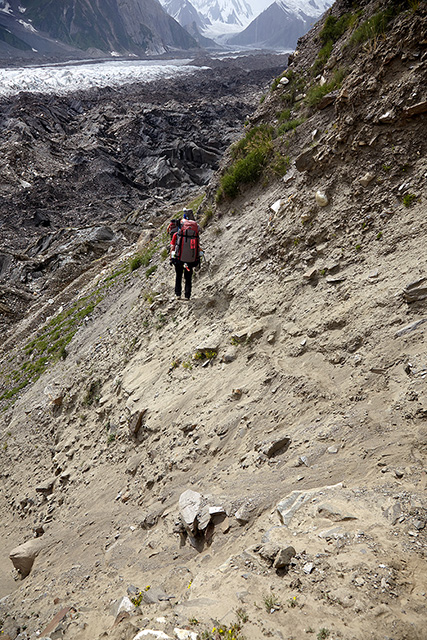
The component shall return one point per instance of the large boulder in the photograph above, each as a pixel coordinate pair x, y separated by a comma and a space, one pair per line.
24, 555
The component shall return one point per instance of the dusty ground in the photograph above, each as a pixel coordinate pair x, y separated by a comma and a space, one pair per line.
309, 425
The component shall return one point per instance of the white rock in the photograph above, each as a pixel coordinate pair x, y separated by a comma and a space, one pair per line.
276, 206
124, 604
189, 505
284, 80
185, 634
152, 634
308, 568
321, 198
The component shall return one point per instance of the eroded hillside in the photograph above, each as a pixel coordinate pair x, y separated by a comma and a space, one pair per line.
251, 463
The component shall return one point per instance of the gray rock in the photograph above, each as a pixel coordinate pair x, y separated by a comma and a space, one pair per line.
332, 512
416, 291
251, 508
284, 557
289, 506
23, 556
321, 198
367, 179
328, 99
46, 487
154, 595
271, 448
416, 109
150, 519
101, 234
203, 518
135, 422
410, 327
308, 568
305, 161
54, 393
151, 634
269, 551
209, 344
134, 463
229, 356
239, 336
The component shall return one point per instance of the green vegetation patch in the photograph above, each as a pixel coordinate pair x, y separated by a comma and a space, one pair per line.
317, 91
377, 25
289, 125
48, 346
332, 31
250, 156
409, 199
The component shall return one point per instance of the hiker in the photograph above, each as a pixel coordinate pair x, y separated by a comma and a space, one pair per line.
185, 254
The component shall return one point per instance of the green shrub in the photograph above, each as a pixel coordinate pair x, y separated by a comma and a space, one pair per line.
316, 92
206, 217
135, 262
288, 126
280, 164
409, 199
244, 171
334, 28
93, 393
250, 155
376, 25
151, 270
284, 115
254, 139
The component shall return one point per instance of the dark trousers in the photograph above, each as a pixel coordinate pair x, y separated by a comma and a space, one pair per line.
188, 273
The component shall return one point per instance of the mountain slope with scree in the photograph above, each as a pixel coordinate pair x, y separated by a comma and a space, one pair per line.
252, 463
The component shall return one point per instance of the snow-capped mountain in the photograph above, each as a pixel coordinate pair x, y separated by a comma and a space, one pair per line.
232, 12
185, 13
115, 27
214, 17
218, 17
281, 24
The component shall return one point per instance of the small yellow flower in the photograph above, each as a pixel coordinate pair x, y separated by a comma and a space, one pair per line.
213, 630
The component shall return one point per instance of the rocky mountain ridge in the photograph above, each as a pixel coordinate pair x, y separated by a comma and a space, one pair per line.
116, 27
251, 463
280, 25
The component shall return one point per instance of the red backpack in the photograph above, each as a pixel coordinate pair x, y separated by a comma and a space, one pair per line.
187, 242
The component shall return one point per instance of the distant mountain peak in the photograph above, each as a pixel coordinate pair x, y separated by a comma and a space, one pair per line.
281, 24
115, 27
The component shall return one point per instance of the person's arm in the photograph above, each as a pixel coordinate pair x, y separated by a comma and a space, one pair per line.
173, 243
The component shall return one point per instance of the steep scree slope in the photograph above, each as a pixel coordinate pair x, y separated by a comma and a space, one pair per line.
288, 395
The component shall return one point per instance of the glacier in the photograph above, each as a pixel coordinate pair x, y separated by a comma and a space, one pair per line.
69, 77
